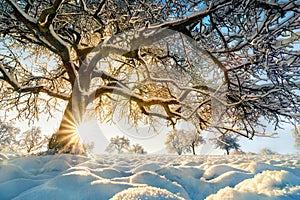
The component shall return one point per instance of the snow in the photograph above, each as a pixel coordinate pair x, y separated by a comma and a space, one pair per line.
149, 193
144, 177
3, 157
266, 185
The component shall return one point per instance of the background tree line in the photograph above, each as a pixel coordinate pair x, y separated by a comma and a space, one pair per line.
30, 141
177, 141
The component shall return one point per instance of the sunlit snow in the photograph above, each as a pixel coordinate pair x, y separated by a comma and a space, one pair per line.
154, 177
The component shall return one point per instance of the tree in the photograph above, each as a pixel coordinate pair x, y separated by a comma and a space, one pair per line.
119, 53
227, 142
138, 149
193, 139
32, 140
175, 142
296, 135
118, 144
182, 141
8, 136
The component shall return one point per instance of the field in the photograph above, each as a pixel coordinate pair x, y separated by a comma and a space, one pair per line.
120, 177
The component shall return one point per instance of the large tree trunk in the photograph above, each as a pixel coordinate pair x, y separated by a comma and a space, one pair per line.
66, 139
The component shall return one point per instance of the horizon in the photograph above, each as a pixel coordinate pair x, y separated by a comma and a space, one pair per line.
101, 134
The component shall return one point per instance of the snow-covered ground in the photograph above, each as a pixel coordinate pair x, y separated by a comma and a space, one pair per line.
120, 177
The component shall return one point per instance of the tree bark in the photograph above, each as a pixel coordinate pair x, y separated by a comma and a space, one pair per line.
193, 149
66, 139
227, 151
179, 152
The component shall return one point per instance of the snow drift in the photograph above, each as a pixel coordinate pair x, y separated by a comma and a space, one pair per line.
119, 177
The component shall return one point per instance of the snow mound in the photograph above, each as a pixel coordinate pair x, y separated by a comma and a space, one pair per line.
270, 183
216, 170
266, 185
9, 172
3, 157
195, 172
257, 167
147, 167
16, 186
146, 193
109, 173
155, 180
75, 185
230, 178
31, 164
56, 165
192, 163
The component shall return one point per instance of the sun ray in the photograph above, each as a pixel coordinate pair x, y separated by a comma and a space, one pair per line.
67, 136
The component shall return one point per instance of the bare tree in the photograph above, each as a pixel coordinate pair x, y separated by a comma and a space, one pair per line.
227, 142
250, 43
32, 140
8, 136
118, 144
138, 149
178, 141
193, 140
183, 141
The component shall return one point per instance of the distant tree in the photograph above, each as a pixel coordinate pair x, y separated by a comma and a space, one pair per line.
118, 144
176, 142
182, 141
227, 142
138, 149
193, 139
8, 136
296, 135
267, 151
32, 140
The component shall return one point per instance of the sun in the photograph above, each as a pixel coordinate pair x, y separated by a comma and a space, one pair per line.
68, 135
86, 131
82, 130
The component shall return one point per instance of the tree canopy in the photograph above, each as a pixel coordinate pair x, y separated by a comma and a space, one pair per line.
227, 142
32, 140
8, 136
118, 144
183, 141
218, 64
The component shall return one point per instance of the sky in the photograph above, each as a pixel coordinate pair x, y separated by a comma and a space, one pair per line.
100, 134
283, 143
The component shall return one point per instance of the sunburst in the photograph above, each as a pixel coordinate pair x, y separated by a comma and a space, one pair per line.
68, 133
